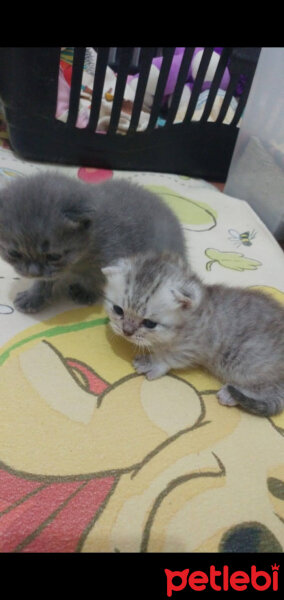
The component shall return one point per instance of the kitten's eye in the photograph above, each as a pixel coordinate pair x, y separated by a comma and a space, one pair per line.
149, 324
118, 310
14, 254
53, 257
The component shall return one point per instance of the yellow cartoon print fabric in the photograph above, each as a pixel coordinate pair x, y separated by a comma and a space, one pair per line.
103, 460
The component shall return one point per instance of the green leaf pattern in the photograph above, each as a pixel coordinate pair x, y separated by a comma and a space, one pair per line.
231, 260
196, 216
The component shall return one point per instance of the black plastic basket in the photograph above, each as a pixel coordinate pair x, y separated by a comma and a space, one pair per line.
28, 89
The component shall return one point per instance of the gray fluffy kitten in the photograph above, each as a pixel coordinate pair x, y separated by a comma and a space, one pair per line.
237, 334
60, 232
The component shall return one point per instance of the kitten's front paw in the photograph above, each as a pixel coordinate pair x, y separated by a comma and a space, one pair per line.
28, 302
149, 366
157, 370
142, 363
225, 397
78, 294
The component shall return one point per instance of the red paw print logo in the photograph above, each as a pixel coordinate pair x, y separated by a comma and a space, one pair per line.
92, 175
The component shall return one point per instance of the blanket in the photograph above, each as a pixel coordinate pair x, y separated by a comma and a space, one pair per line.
95, 458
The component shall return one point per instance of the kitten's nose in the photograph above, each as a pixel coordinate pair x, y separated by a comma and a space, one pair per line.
128, 328
34, 270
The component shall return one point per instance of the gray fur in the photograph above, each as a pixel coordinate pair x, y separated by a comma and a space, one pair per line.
238, 334
87, 225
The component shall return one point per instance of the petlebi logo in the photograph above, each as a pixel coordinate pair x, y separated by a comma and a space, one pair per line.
222, 580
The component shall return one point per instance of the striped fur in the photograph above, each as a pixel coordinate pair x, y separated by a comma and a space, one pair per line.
237, 334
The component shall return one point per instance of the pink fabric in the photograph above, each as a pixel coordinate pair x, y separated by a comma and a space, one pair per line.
13, 488
48, 517
22, 521
63, 95
65, 531
95, 384
63, 98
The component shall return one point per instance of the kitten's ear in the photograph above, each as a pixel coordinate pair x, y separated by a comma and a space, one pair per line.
116, 268
75, 218
189, 294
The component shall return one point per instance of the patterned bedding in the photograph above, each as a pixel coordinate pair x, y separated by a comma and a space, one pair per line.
96, 458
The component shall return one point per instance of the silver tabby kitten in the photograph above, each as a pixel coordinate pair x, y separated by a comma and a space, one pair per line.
238, 334
59, 232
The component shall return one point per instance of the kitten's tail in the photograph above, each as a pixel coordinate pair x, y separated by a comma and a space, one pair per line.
271, 404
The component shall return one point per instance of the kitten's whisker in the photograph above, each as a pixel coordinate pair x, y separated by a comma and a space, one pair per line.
113, 334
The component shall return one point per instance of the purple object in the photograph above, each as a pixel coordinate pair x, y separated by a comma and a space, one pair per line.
174, 71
